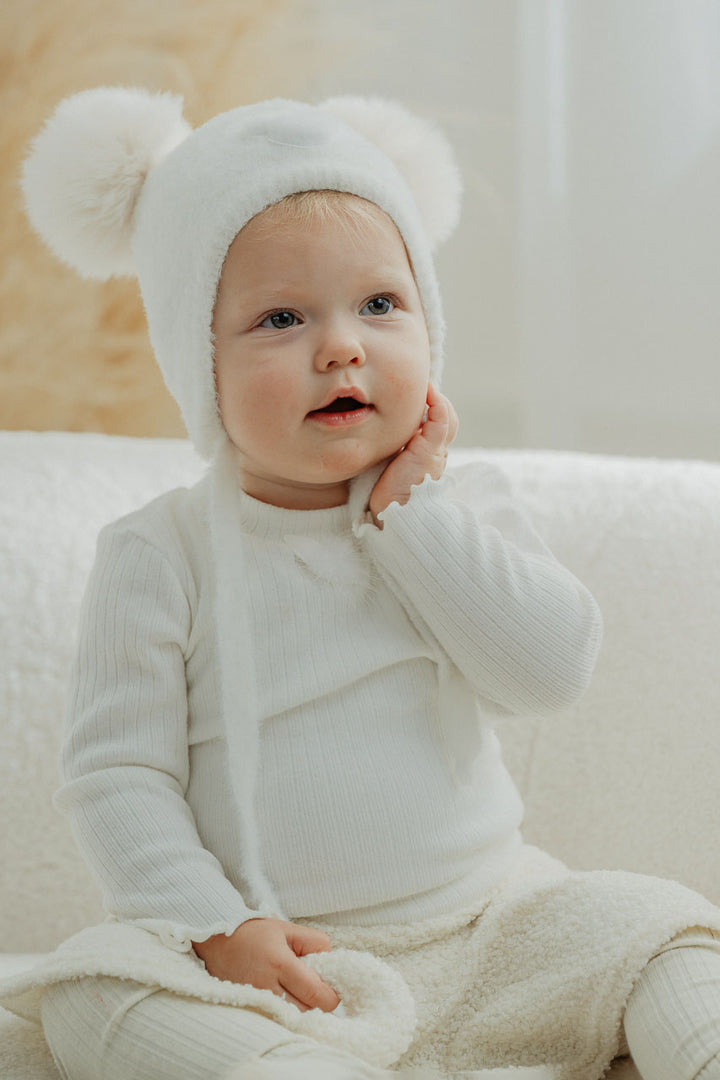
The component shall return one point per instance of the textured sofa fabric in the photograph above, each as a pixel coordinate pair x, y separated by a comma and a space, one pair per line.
626, 779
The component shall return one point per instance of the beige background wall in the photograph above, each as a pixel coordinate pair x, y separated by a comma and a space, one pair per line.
74, 354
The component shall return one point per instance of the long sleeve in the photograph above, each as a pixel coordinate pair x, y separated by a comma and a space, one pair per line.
519, 626
126, 756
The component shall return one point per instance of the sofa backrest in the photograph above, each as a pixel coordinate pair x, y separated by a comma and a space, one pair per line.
626, 779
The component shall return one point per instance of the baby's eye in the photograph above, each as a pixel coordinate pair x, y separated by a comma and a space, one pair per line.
279, 320
379, 305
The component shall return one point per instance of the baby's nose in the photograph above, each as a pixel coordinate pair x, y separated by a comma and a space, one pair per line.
338, 349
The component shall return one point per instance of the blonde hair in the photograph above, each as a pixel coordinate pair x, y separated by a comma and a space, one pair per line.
325, 204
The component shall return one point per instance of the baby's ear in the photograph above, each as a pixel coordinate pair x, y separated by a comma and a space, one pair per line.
420, 152
86, 168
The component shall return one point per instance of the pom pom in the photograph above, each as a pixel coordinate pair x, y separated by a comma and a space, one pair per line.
86, 169
420, 152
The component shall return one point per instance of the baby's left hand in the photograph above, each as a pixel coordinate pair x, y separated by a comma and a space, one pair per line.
425, 453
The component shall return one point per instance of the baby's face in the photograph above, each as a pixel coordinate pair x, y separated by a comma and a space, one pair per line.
322, 356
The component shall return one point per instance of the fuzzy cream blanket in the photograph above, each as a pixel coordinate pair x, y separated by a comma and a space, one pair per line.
539, 973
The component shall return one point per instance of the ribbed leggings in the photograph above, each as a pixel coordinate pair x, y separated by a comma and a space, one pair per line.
104, 1028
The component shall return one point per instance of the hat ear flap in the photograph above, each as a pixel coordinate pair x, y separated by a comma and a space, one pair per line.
419, 151
86, 168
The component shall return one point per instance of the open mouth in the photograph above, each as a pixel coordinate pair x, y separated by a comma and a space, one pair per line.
342, 405
343, 411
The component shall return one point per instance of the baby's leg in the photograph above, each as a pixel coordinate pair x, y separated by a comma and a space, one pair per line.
672, 1020
103, 1028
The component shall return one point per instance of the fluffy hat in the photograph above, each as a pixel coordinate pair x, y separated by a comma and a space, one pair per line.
118, 183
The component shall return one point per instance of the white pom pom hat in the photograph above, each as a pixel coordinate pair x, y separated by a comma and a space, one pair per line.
117, 183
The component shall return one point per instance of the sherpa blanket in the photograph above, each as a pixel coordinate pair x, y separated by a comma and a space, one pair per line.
539, 973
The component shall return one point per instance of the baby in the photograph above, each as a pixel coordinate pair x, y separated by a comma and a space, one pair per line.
311, 395
280, 759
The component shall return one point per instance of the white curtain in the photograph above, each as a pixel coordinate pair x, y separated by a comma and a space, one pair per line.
582, 290
618, 238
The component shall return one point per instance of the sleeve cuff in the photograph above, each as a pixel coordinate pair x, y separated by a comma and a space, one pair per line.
426, 492
179, 937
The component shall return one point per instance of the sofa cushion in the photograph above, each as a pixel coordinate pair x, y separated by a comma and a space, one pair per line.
56, 491
625, 779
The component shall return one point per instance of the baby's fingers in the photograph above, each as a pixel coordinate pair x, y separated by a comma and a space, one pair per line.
306, 939
453, 423
440, 426
305, 986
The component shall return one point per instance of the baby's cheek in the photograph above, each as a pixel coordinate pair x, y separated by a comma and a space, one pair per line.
408, 380
267, 402
410, 422
413, 394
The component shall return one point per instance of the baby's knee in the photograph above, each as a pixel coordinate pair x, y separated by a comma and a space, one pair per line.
308, 1060
672, 1021
116, 1029
80, 1017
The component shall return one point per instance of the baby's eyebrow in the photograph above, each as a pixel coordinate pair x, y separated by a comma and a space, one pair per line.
262, 294
389, 276
250, 298
252, 302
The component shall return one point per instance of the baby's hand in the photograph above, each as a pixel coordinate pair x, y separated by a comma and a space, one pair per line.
264, 953
426, 452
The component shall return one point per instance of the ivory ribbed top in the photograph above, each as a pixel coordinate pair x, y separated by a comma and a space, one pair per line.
381, 659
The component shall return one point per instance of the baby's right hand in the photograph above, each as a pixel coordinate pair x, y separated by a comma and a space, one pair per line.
264, 953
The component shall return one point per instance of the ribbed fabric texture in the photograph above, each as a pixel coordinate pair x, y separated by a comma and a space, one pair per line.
672, 1021
380, 792
121, 1030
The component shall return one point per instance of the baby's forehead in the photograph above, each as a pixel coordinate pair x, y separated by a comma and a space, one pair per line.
311, 225
320, 205
337, 220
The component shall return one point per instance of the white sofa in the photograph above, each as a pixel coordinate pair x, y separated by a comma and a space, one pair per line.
626, 779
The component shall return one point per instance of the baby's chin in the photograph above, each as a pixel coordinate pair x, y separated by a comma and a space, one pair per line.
322, 478
373, 464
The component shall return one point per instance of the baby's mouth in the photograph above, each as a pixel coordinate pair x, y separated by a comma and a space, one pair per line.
343, 411
341, 405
